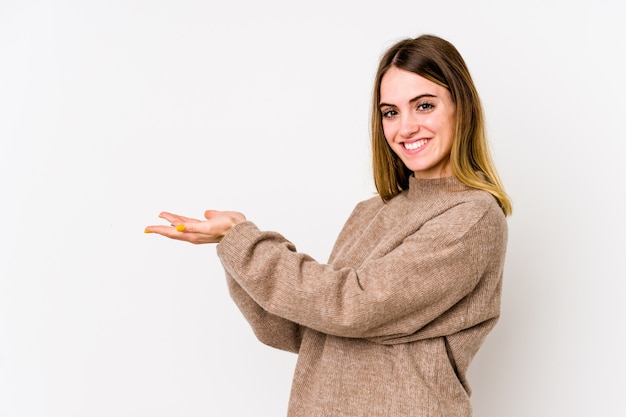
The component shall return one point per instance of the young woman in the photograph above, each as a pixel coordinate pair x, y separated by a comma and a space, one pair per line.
389, 325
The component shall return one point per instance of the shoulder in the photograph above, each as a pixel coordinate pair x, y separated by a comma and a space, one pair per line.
465, 213
479, 215
370, 205
484, 205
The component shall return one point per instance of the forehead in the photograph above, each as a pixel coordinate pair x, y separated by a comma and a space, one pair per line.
400, 84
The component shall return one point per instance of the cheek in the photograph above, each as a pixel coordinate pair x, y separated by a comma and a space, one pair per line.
441, 127
433, 123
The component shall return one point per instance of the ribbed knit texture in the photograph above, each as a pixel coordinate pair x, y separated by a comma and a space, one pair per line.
389, 325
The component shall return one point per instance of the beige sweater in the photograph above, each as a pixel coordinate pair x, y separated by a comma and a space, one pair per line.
389, 325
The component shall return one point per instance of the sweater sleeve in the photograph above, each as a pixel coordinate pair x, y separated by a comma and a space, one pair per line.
271, 330
389, 296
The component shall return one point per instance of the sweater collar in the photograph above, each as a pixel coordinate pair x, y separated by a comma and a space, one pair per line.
421, 188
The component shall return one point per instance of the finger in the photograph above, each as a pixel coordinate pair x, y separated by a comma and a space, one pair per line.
209, 229
167, 231
173, 233
195, 235
195, 227
175, 219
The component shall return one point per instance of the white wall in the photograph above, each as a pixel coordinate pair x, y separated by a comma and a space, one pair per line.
111, 111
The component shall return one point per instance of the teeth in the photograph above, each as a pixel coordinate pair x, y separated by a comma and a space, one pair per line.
415, 145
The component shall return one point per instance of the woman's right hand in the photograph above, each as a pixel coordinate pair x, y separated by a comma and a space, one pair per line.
195, 231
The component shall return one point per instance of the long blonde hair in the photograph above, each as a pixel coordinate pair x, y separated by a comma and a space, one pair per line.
438, 61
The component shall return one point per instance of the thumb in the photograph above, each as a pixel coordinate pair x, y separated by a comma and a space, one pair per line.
209, 214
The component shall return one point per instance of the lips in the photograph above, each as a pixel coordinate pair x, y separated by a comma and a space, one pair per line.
413, 146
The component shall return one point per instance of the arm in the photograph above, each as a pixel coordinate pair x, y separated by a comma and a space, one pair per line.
271, 330
388, 296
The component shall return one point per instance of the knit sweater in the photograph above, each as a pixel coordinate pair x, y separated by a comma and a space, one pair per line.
389, 325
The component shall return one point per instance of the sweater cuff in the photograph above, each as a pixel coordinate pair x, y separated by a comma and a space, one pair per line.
232, 246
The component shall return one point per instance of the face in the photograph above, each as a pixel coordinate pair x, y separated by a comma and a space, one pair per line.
418, 122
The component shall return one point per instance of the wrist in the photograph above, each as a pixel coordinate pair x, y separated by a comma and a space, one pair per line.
234, 218
238, 218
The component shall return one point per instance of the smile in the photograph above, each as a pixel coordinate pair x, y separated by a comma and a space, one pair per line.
415, 145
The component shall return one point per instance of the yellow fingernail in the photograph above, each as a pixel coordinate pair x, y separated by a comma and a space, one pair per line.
180, 227
147, 231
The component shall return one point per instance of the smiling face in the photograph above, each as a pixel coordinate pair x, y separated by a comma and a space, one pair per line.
418, 119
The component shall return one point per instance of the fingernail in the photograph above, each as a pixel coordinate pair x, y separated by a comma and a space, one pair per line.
180, 227
147, 231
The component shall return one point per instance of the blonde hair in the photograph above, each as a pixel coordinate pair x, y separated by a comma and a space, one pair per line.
438, 61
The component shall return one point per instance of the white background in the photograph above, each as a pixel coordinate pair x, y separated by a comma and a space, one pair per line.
112, 111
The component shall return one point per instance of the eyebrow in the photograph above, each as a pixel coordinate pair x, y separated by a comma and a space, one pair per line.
413, 100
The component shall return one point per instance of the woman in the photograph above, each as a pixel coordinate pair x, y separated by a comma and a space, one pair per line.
389, 325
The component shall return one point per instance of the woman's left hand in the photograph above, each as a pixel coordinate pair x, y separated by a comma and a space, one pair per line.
195, 231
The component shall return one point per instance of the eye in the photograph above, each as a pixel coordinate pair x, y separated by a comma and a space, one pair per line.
388, 114
425, 106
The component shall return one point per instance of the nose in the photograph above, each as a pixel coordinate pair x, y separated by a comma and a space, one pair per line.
409, 125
